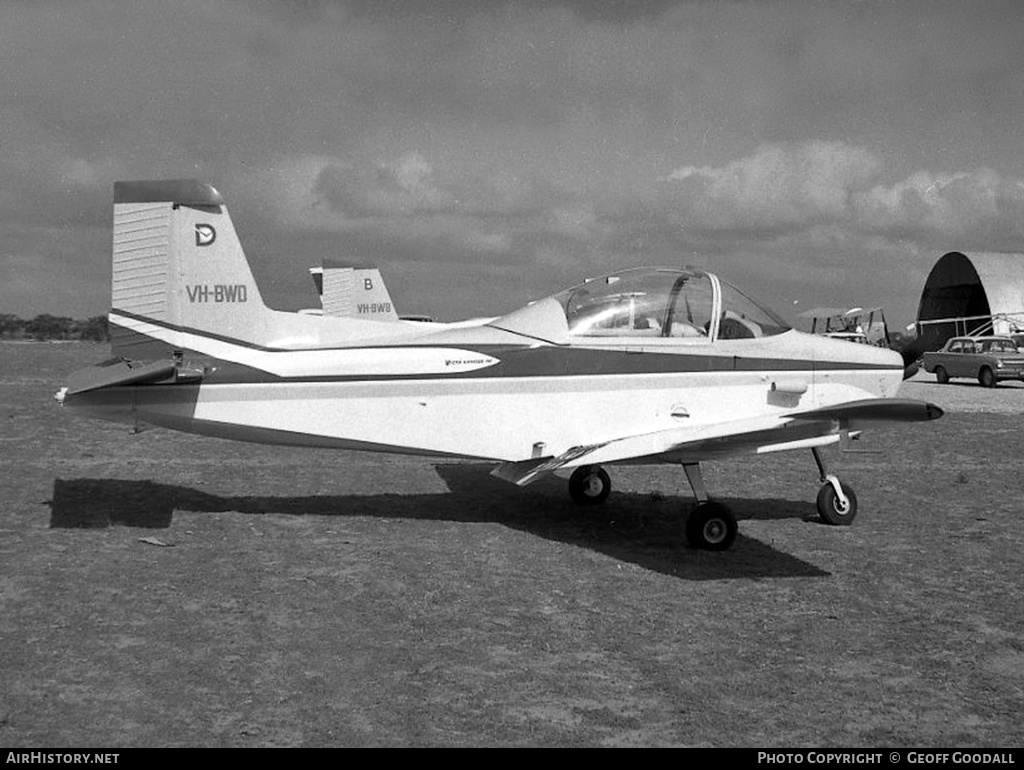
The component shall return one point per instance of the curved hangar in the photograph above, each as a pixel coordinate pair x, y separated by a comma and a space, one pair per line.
976, 293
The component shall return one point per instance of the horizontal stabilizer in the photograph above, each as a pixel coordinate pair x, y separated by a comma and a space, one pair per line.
875, 410
117, 372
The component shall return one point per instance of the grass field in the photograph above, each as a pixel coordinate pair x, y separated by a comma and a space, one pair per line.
169, 590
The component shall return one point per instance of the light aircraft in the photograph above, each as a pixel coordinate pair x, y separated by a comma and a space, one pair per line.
865, 325
351, 291
856, 324
647, 365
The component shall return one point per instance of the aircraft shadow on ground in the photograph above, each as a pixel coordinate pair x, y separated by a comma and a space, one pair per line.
643, 529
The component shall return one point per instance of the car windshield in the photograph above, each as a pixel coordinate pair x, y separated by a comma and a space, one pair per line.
663, 302
998, 346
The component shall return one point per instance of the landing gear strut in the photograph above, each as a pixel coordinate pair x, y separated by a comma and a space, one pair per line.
837, 503
711, 526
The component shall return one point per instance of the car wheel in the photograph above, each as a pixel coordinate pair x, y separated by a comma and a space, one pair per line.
986, 377
941, 375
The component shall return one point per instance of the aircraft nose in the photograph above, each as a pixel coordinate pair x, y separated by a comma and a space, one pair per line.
910, 356
871, 355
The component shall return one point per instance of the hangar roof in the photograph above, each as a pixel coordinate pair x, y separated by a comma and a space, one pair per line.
964, 285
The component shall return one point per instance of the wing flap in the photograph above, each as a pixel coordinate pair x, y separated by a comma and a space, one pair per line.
629, 447
527, 471
763, 433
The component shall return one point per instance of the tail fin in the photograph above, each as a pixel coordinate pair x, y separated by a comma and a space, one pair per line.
353, 292
177, 262
181, 282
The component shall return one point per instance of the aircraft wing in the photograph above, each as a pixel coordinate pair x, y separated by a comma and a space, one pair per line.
765, 433
630, 447
875, 410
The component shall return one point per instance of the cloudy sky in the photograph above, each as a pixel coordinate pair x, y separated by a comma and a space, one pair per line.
486, 153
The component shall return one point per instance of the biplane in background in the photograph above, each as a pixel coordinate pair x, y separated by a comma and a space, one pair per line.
866, 326
858, 324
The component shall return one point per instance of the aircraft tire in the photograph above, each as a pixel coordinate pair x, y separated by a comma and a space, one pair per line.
941, 375
832, 511
589, 485
711, 527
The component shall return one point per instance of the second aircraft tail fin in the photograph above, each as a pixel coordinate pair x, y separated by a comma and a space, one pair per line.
357, 292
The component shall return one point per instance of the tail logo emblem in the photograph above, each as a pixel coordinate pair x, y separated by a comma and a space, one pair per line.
205, 235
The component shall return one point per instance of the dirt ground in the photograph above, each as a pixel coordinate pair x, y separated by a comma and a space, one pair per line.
170, 590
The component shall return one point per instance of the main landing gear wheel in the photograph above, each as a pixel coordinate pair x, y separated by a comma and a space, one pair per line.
589, 485
711, 527
833, 509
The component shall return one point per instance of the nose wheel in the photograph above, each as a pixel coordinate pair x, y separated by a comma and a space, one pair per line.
837, 503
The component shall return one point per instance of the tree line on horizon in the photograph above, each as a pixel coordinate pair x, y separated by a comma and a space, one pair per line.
51, 327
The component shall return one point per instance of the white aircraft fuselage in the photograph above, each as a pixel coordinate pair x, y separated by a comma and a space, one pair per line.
645, 365
482, 393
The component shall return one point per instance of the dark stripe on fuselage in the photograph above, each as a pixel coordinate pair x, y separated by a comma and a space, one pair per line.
514, 361
137, 342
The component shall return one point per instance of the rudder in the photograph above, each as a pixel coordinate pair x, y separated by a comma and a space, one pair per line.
177, 265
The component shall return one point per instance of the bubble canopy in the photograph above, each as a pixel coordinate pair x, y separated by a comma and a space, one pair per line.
668, 303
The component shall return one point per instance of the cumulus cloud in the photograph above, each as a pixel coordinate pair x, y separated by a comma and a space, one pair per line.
402, 188
951, 204
408, 207
824, 201
794, 188
513, 133
776, 186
